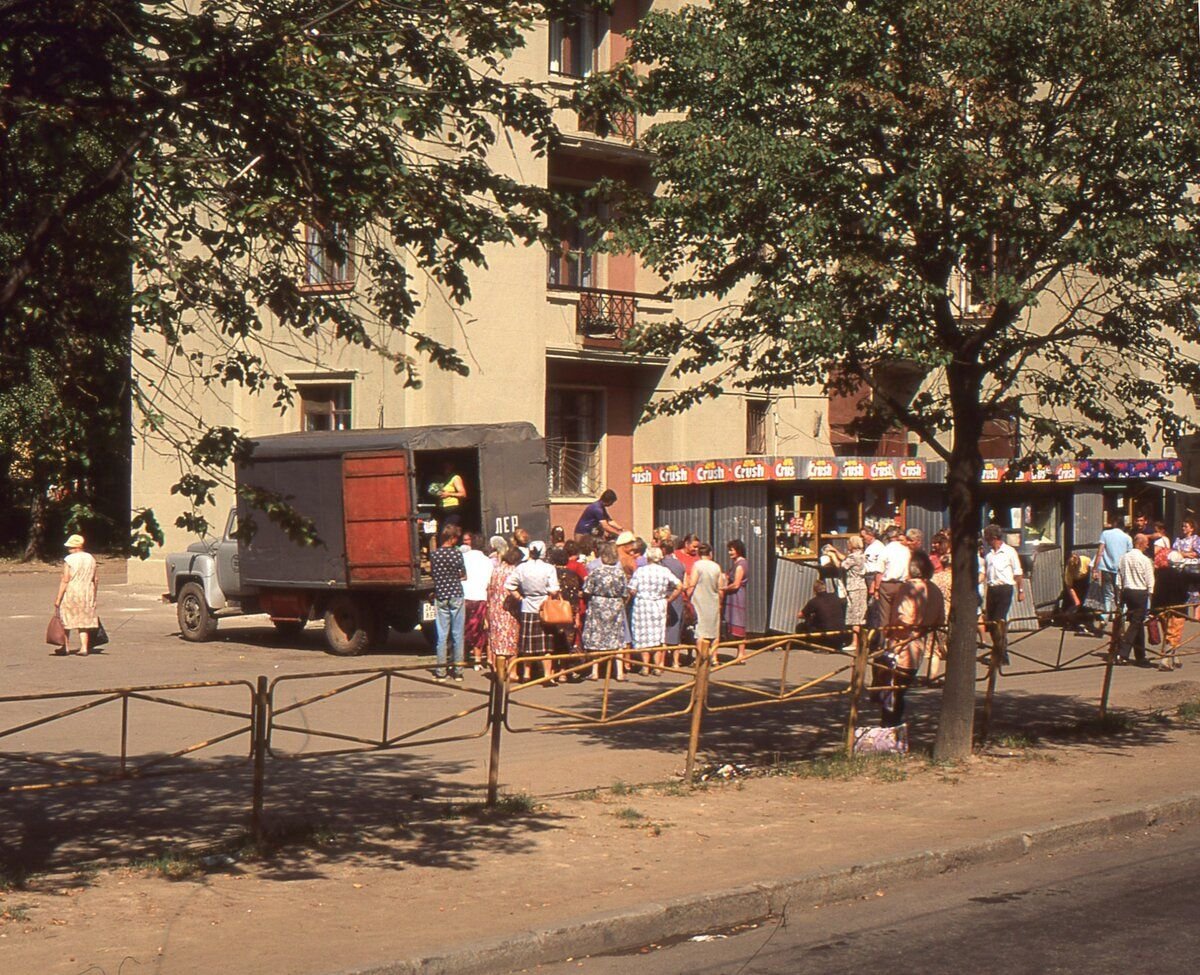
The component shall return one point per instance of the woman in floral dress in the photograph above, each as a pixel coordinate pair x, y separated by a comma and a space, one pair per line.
653, 586
76, 600
604, 622
503, 628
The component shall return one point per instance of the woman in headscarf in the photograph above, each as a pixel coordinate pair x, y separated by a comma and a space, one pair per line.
535, 580
76, 599
604, 590
652, 588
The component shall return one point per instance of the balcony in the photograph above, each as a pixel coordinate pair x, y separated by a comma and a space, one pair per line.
624, 125
604, 319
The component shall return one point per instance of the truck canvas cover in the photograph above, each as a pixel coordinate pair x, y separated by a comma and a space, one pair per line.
316, 472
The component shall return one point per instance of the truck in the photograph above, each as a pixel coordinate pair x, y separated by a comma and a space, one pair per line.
370, 497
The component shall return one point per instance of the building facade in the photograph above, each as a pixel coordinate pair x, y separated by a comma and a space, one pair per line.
543, 338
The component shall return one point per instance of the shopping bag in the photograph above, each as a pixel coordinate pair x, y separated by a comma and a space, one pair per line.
1153, 630
56, 633
881, 741
1094, 600
99, 635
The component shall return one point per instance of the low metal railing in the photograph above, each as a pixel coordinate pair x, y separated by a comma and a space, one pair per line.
832, 669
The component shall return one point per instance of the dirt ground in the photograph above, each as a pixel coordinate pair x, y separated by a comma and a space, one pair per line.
437, 875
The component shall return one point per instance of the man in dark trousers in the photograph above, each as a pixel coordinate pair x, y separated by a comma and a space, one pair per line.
825, 616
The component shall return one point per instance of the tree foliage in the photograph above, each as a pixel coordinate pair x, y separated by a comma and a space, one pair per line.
226, 127
830, 171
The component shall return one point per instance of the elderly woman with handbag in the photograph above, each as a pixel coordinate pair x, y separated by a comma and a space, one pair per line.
652, 587
536, 581
76, 599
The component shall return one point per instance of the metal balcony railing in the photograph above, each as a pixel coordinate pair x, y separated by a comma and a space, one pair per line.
624, 124
604, 319
575, 469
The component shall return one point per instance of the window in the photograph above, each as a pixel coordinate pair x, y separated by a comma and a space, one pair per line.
575, 42
571, 263
976, 277
328, 255
756, 425
325, 407
574, 434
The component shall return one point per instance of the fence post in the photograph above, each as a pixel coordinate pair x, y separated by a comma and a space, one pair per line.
497, 708
985, 726
857, 678
699, 696
259, 721
1111, 662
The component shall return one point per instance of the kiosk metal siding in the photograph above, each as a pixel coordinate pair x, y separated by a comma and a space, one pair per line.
1088, 511
926, 509
741, 511
688, 510
791, 590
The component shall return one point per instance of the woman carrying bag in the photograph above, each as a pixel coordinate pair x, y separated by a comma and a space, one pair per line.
75, 603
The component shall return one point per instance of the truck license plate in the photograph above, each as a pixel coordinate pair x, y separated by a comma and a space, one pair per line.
428, 612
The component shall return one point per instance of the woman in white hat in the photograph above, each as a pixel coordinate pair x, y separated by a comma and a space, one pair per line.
76, 600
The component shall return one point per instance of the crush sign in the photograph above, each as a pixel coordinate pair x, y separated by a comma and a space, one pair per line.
749, 470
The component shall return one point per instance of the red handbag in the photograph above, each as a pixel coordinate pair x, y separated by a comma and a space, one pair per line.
1153, 630
56, 633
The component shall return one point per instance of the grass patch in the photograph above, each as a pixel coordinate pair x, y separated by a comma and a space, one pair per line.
18, 913
1188, 711
13, 878
507, 804
840, 768
620, 788
1112, 723
587, 795
629, 816
171, 865
674, 788
1016, 740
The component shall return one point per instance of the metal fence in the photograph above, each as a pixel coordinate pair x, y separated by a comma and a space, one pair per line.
804, 669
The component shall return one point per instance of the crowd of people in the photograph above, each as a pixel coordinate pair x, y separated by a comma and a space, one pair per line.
1152, 577
529, 610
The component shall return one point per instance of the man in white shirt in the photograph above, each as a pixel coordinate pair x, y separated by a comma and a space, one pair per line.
1002, 574
872, 556
893, 572
479, 574
1135, 577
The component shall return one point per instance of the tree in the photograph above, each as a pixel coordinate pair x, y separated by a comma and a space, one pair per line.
222, 129
830, 171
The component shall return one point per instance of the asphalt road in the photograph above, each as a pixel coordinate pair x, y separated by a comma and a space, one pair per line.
1125, 907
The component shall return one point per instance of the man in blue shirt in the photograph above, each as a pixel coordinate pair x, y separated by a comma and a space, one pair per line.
1114, 543
595, 519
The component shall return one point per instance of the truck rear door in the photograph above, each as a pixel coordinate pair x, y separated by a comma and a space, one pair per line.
381, 535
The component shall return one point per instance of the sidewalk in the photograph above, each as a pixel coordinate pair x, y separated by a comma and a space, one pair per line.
617, 868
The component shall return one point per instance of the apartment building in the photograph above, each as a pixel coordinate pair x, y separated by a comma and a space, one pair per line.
543, 339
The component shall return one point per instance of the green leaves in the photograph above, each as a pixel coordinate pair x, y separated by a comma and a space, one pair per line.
190, 144
979, 185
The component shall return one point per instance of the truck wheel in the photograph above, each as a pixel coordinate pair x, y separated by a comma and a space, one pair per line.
348, 627
196, 621
289, 629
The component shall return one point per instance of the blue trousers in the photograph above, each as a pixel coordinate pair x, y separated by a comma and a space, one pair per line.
451, 622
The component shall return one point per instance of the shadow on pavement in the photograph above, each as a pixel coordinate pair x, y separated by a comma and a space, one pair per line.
391, 809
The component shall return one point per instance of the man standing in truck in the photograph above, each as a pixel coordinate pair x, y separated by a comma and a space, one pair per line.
448, 569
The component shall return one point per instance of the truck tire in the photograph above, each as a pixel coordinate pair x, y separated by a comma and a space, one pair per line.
196, 620
348, 626
288, 629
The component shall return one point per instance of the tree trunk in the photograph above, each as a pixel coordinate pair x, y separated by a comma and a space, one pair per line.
35, 541
956, 724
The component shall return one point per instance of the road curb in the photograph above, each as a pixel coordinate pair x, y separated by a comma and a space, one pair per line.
680, 917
